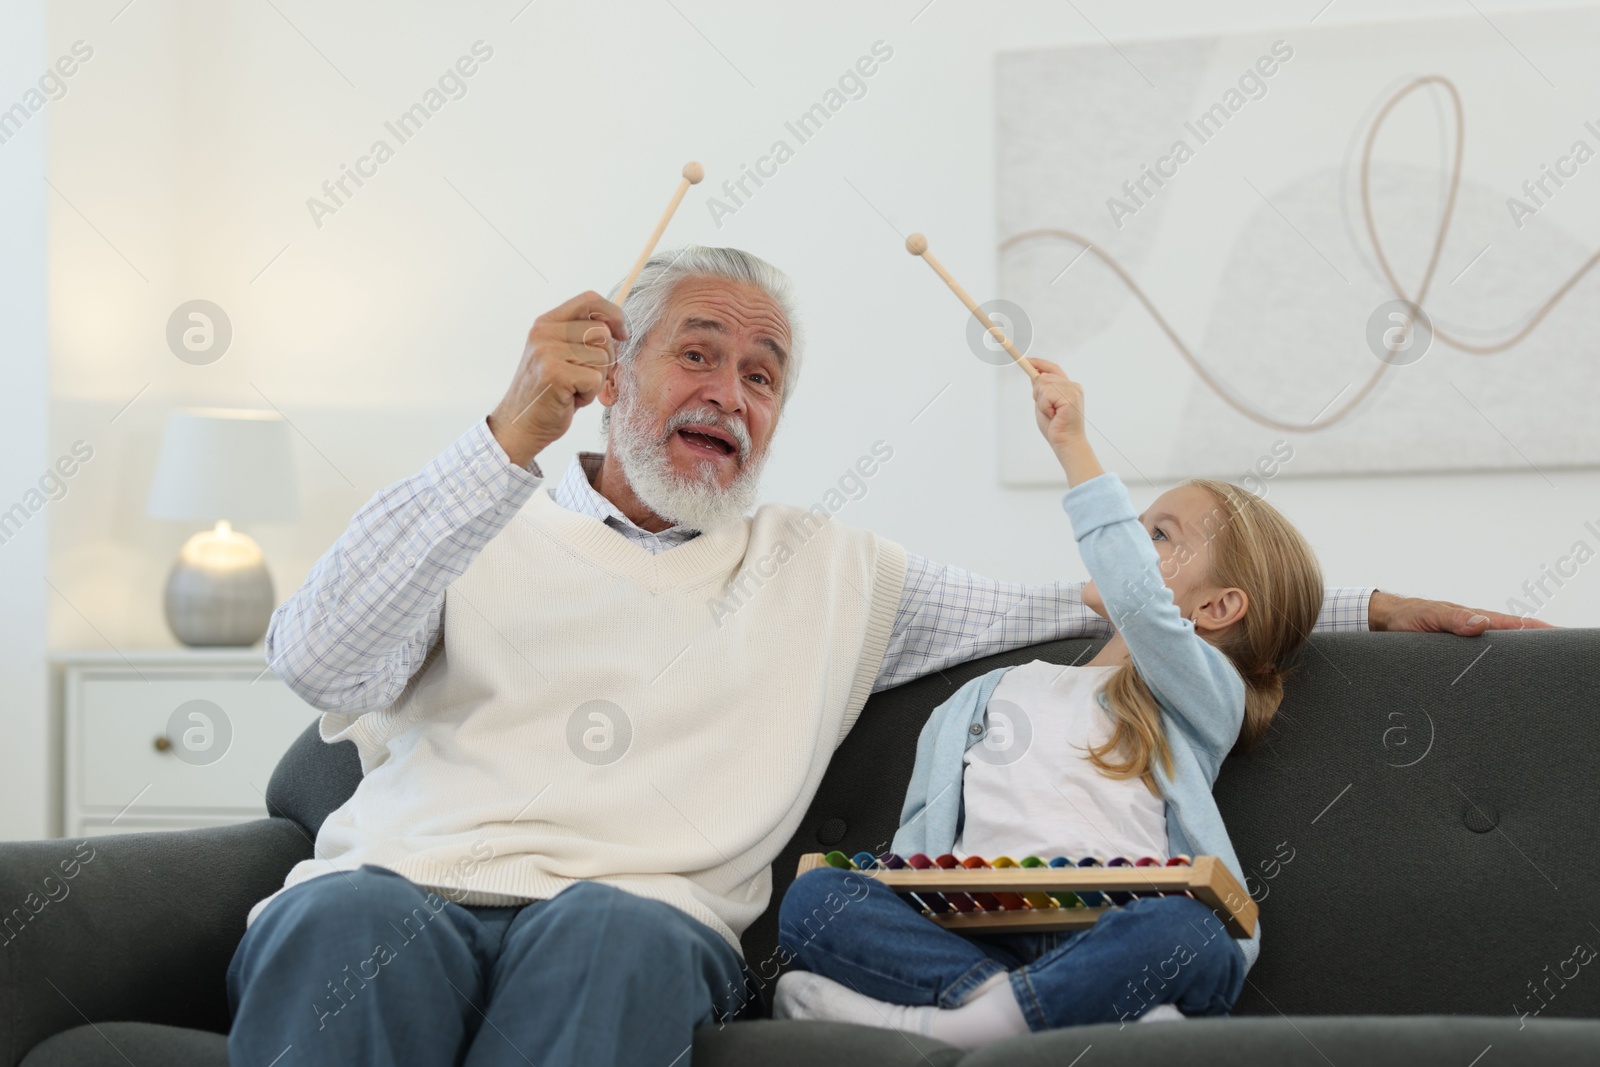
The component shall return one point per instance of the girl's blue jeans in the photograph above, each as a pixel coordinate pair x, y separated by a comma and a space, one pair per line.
1154, 950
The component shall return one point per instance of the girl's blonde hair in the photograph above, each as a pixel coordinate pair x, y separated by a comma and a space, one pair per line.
1253, 548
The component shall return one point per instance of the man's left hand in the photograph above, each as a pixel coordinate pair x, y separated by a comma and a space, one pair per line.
1386, 611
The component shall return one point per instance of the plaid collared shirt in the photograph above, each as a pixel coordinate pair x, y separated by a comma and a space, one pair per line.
373, 606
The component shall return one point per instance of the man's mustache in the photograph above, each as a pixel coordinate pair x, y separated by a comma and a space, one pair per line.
735, 428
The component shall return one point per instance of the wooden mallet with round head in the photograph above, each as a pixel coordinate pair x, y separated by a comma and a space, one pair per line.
693, 174
917, 245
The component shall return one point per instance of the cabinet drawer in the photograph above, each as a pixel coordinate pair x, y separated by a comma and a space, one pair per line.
229, 732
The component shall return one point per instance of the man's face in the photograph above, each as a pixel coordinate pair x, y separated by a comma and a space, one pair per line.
722, 346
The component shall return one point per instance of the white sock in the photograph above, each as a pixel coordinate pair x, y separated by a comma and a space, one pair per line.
990, 1015
805, 995
1162, 1013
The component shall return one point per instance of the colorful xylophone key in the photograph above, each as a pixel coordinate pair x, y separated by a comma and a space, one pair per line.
963, 901
1180, 860
1065, 898
931, 902
1036, 900
1151, 861
1002, 901
1093, 898
1118, 898
937, 903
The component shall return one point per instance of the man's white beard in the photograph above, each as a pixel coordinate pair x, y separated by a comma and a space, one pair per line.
696, 501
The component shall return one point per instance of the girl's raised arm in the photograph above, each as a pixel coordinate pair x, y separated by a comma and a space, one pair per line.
1191, 677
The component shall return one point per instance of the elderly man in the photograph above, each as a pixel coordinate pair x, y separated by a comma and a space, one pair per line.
577, 772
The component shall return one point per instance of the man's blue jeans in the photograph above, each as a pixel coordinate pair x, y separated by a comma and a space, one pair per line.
1154, 950
365, 967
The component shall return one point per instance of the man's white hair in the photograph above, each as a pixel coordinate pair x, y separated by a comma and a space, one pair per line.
647, 301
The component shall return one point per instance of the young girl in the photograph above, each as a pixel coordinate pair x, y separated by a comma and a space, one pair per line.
1211, 591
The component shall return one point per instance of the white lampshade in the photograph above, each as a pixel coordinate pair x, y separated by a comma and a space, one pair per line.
223, 463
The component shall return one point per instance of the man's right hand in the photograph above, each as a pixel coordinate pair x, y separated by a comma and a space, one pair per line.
563, 366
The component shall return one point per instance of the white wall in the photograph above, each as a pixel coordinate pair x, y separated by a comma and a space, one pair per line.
196, 135
25, 783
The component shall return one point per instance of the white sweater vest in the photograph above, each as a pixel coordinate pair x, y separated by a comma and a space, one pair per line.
594, 712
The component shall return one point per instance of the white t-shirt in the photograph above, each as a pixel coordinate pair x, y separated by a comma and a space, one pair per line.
1029, 789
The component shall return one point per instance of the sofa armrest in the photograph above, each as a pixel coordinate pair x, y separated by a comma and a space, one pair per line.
137, 927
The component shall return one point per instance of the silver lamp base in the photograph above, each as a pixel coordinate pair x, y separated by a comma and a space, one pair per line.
219, 591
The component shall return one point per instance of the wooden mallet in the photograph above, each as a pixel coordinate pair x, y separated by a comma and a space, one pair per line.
693, 173
917, 245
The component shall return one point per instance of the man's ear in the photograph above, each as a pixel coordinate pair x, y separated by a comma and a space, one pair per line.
1222, 609
608, 389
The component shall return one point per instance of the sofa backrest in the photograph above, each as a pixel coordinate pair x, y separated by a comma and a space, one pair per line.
1419, 827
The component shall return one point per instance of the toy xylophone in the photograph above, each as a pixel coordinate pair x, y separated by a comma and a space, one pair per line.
1036, 895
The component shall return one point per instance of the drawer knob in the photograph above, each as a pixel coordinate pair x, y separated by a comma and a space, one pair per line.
162, 743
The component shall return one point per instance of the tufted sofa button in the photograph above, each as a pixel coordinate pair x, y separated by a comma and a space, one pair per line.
1480, 816
831, 831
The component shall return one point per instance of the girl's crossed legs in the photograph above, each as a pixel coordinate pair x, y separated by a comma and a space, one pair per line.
1155, 950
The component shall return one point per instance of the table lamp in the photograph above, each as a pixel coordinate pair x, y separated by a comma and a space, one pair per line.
224, 466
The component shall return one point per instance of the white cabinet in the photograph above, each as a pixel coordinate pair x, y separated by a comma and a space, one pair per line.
171, 740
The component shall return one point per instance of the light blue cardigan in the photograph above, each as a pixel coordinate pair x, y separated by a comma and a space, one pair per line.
1200, 692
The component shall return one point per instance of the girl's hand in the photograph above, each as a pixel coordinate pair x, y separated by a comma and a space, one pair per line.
1058, 404
1058, 407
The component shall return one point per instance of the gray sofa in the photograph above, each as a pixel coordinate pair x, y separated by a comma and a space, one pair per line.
1420, 831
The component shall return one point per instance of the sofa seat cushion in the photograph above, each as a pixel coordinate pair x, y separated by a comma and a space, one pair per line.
124, 1043
1309, 1040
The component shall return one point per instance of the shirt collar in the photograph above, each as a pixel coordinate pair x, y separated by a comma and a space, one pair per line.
576, 492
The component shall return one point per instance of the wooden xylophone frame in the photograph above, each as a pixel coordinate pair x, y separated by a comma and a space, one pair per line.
1207, 879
